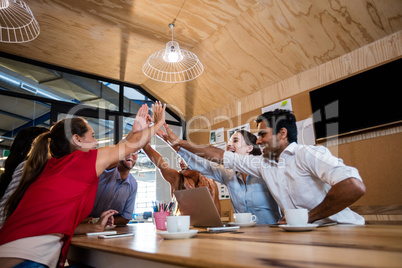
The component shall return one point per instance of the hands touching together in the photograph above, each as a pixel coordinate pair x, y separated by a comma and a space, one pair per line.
143, 119
140, 121
140, 134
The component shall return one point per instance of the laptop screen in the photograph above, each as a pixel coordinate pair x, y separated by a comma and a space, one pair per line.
198, 203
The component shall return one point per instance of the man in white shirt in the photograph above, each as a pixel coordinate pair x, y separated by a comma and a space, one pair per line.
298, 176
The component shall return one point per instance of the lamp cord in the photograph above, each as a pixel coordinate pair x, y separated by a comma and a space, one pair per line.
174, 20
171, 25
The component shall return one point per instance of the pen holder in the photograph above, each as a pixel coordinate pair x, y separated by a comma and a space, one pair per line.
160, 219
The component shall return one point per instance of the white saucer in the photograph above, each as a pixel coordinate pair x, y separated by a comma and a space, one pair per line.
247, 224
183, 235
298, 228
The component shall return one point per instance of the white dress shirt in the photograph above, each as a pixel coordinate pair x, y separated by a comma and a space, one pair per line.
301, 178
250, 196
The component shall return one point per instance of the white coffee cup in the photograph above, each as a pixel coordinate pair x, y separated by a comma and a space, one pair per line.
296, 217
244, 217
177, 224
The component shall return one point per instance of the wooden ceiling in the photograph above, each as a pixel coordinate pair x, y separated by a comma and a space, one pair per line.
244, 45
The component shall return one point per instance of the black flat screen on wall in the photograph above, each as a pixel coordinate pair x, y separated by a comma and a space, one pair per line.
362, 101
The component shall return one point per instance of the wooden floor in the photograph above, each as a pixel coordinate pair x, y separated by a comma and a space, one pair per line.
260, 246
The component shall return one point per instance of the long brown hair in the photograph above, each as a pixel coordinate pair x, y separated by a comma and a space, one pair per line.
250, 139
18, 153
57, 143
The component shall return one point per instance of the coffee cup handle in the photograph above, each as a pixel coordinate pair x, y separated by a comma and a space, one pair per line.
254, 218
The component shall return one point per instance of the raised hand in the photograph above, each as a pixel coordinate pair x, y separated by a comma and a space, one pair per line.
140, 121
170, 137
159, 113
163, 135
149, 120
160, 133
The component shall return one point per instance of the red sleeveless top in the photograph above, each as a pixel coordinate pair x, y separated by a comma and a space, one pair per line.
57, 201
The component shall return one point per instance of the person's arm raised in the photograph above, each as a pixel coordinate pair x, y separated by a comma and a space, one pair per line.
170, 174
141, 122
208, 152
134, 141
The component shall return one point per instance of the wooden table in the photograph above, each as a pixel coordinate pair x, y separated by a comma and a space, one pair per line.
259, 246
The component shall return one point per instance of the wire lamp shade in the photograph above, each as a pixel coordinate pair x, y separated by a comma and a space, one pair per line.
17, 23
172, 64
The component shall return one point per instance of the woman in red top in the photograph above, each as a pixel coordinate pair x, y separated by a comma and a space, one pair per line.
55, 195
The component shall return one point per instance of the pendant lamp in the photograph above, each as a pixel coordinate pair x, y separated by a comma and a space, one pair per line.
17, 23
173, 64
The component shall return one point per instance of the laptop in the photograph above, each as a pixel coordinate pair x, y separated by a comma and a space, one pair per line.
198, 203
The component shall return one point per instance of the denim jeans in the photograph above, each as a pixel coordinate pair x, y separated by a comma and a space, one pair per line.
30, 264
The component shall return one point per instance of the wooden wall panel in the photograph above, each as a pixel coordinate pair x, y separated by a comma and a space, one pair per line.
372, 55
377, 159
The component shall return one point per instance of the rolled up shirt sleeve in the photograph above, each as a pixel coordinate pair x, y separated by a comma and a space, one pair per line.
330, 169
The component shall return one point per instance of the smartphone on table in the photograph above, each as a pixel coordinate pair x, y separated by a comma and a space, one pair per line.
222, 229
115, 235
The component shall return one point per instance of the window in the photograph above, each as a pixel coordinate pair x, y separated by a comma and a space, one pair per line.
38, 94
